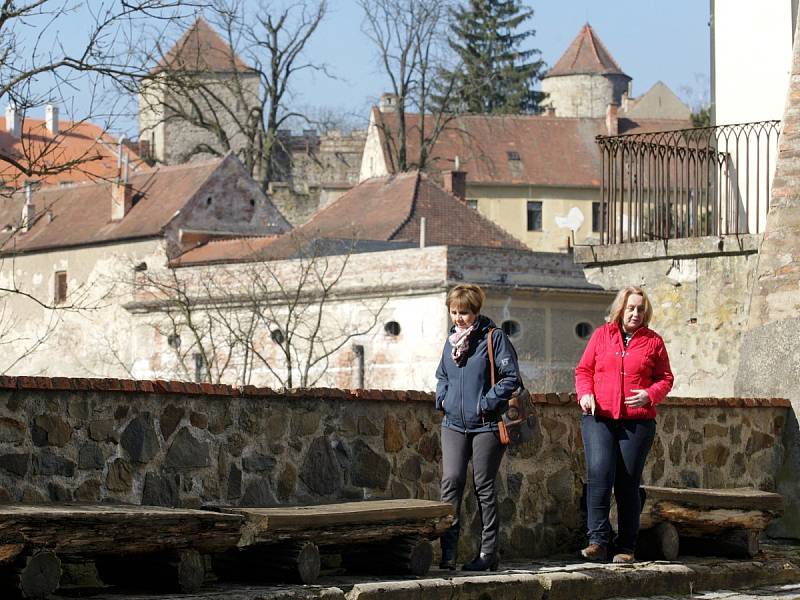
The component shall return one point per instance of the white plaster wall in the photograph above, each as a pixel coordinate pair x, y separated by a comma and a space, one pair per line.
373, 163
752, 59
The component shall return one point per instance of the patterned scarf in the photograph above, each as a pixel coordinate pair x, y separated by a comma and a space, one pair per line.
459, 340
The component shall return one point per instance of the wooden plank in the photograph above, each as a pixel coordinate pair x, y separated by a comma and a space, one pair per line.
738, 498
292, 518
116, 529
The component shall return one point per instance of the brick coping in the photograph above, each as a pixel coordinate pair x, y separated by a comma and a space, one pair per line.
160, 386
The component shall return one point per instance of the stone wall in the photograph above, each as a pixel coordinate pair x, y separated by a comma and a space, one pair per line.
182, 444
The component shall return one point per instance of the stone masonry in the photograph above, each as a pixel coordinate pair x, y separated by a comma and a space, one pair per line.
181, 444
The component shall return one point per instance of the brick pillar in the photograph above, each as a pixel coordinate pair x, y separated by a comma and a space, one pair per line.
455, 182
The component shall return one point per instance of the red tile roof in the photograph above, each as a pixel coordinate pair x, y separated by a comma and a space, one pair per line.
81, 214
383, 209
586, 55
516, 149
199, 49
81, 151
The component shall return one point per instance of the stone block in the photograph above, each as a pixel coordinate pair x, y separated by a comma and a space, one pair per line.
170, 419
369, 469
16, 464
90, 457
320, 470
392, 434
139, 439
120, 476
160, 490
187, 452
51, 430
47, 464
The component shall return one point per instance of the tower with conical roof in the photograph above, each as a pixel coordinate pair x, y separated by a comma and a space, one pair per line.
198, 92
586, 79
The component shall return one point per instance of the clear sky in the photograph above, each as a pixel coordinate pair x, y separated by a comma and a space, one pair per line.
651, 41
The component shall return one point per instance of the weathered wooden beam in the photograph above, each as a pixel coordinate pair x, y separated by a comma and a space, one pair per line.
697, 522
736, 498
111, 529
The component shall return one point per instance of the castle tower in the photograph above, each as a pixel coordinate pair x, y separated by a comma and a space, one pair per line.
585, 80
200, 79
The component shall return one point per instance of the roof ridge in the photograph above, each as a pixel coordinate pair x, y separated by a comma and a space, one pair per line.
411, 207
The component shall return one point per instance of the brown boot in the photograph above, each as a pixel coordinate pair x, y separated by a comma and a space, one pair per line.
595, 553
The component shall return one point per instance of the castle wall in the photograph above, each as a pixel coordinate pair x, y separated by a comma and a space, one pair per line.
584, 95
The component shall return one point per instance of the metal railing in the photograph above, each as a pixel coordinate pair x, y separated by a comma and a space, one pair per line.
687, 183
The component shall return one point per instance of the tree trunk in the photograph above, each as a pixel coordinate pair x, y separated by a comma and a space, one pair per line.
659, 542
404, 555
34, 576
297, 562
179, 571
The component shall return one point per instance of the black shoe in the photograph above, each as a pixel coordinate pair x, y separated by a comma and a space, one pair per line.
448, 564
482, 562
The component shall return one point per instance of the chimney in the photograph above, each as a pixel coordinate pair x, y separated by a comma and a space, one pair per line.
612, 123
13, 120
28, 210
121, 195
51, 119
455, 181
388, 103
551, 111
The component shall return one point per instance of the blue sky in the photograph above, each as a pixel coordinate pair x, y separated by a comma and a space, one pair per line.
651, 41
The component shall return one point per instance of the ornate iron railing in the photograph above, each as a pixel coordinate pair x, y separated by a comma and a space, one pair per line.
687, 182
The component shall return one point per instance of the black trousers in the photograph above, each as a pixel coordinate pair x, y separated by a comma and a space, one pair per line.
485, 451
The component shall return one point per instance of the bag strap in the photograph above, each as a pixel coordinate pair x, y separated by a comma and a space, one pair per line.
490, 351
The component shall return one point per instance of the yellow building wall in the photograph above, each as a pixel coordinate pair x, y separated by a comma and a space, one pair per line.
508, 205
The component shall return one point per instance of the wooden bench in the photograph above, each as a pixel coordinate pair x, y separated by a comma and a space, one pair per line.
718, 522
163, 548
384, 536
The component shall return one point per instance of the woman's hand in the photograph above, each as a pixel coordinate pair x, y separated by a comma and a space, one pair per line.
587, 404
639, 399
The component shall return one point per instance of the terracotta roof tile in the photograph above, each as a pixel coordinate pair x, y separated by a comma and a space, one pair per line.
199, 49
81, 213
77, 145
586, 55
384, 209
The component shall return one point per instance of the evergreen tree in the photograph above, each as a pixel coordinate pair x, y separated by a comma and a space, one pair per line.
496, 75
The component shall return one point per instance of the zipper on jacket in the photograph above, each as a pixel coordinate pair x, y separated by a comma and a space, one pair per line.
463, 418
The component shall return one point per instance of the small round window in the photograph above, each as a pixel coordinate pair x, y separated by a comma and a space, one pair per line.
174, 340
583, 330
277, 336
392, 328
511, 328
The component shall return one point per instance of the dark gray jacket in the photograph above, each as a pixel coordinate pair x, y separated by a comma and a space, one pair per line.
465, 393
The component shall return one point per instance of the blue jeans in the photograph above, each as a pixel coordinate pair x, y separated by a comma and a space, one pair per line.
616, 450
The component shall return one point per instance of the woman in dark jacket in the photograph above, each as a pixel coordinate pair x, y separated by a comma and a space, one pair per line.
623, 374
471, 407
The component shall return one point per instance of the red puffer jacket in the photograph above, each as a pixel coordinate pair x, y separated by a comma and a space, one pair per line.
610, 371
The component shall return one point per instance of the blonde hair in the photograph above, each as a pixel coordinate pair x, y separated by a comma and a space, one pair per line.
466, 295
618, 306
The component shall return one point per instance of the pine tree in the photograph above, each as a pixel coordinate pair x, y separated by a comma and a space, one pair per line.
496, 75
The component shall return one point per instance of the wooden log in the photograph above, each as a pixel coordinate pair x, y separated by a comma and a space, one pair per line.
405, 555
745, 499
735, 543
699, 522
174, 571
659, 542
34, 576
297, 562
112, 529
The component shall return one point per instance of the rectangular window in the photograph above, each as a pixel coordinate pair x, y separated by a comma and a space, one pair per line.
595, 217
60, 287
472, 204
534, 216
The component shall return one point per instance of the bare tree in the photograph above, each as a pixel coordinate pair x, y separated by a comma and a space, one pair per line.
409, 36
243, 110
275, 317
37, 68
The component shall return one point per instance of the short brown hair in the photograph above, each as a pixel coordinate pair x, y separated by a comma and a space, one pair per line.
466, 295
618, 306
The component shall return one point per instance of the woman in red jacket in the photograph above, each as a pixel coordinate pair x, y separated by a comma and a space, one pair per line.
623, 374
